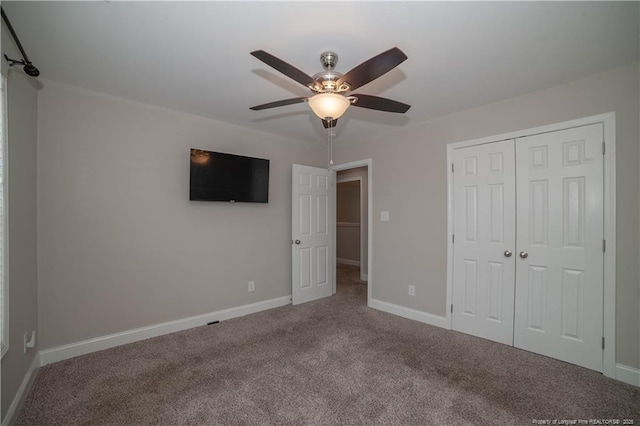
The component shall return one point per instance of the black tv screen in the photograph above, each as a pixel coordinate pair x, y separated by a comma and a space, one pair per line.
216, 176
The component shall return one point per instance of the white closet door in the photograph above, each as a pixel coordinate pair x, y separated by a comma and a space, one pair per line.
484, 229
559, 270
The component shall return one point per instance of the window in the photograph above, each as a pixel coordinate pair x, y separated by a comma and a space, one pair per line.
4, 287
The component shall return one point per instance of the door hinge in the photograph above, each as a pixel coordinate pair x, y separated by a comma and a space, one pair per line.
603, 148
604, 245
452, 308
453, 238
603, 343
451, 167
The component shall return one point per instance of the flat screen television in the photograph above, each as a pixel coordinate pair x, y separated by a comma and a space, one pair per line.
216, 176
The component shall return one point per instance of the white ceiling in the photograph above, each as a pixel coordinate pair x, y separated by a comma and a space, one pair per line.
194, 56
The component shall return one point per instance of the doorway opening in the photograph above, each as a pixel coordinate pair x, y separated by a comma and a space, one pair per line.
353, 226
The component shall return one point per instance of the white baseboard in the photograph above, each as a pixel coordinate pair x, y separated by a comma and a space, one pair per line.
409, 313
628, 374
60, 353
348, 262
364, 277
22, 393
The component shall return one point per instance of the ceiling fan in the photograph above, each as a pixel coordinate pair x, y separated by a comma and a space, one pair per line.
332, 90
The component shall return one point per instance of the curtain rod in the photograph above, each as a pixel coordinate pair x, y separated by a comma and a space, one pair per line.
28, 68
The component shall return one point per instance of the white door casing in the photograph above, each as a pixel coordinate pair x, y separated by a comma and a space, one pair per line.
312, 233
484, 228
559, 284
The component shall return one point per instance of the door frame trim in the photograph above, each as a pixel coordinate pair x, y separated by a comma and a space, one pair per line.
608, 121
368, 163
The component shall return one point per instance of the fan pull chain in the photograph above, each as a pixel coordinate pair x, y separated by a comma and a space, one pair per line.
330, 144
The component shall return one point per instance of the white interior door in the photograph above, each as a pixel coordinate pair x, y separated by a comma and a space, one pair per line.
312, 233
559, 284
484, 230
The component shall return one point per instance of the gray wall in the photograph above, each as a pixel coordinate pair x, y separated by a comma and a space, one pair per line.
410, 175
120, 244
22, 254
348, 201
348, 221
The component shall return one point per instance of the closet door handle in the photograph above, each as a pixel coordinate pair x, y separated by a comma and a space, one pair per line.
524, 254
507, 253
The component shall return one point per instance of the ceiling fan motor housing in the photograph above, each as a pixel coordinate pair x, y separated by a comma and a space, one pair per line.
325, 81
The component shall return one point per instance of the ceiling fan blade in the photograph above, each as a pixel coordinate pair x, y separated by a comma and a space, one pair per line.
327, 123
381, 104
285, 68
279, 103
373, 68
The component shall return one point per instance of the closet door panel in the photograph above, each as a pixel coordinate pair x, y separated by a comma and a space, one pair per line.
484, 229
559, 263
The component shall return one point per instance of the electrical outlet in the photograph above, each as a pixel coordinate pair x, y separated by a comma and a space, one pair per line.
412, 290
251, 285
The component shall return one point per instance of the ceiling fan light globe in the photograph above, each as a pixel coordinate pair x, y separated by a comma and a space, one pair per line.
329, 105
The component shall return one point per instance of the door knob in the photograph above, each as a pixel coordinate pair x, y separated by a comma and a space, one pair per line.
507, 253
524, 254
297, 241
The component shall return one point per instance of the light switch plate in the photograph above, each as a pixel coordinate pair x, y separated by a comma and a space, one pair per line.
384, 216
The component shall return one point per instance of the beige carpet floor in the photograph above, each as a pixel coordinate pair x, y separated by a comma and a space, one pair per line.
332, 361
